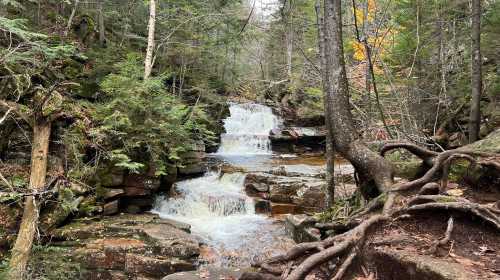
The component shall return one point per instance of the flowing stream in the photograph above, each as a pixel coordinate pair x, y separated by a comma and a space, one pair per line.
216, 205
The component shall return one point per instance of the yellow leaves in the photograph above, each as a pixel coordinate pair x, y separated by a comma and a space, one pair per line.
359, 13
359, 51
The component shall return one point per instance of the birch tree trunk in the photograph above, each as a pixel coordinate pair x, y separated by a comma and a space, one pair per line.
330, 151
22, 247
476, 75
374, 172
148, 62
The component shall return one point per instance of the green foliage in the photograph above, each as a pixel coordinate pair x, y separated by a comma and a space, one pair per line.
342, 209
141, 123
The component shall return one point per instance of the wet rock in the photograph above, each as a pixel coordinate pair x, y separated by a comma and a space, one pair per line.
301, 228
291, 139
282, 208
110, 208
257, 187
262, 206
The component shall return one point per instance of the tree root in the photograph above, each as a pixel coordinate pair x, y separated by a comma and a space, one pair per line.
303, 258
445, 239
426, 155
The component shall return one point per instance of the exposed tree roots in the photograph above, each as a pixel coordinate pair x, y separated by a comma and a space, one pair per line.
343, 248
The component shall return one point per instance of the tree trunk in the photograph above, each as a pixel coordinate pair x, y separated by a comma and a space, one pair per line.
330, 151
374, 172
22, 247
70, 20
148, 65
476, 83
289, 39
102, 30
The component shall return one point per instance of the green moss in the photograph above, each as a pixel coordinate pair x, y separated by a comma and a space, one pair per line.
52, 262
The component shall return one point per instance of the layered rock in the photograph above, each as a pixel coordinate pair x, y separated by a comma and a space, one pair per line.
193, 161
130, 246
296, 194
295, 189
298, 139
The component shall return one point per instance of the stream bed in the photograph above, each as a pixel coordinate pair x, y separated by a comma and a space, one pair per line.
216, 206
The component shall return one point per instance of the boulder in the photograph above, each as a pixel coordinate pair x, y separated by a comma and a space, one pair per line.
290, 139
303, 192
131, 246
110, 208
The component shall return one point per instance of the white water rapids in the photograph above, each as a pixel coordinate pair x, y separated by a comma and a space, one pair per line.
216, 205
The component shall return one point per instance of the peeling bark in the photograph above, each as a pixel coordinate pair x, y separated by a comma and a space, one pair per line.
22, 247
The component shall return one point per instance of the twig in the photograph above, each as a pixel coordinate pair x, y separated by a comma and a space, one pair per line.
445, 239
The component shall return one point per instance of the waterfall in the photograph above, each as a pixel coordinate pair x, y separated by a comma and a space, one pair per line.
216, 205
247, 130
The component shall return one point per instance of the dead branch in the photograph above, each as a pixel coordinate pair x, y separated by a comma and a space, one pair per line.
446, 237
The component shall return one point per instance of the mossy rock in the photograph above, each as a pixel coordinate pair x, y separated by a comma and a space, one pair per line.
53, 263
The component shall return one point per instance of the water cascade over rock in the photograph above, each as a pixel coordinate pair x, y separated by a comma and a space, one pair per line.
216, 205
247, 130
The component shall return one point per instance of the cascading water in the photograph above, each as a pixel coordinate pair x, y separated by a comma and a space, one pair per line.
247, 130
215, 205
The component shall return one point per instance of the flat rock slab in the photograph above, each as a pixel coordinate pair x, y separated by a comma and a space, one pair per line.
131, 245
207, 273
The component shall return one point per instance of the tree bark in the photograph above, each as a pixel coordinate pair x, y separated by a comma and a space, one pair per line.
374, 172
22, 247
289, 38
476, 82
148, 65
330, 151
70, 20
102, 30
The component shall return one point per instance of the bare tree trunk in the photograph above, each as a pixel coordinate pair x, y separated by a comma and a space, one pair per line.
476, 83
148, 65
22, 247
374, 172
289, 38
102, 30
70, 20
330, 151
